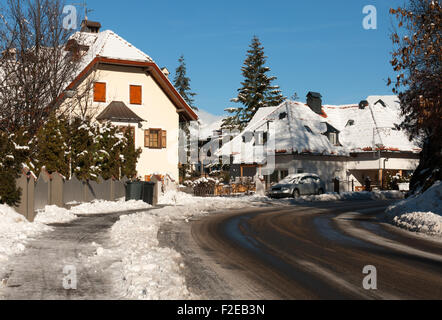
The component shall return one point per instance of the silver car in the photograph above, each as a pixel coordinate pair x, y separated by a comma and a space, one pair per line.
297, 185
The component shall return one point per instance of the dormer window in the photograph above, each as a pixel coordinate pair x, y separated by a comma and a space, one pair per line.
350, 123
282, 115
333, 137
308, 129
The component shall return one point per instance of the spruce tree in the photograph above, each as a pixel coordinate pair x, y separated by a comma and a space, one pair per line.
83, 150
52, 150
182, 83
129, 155
13, 154
257, 90
110, 143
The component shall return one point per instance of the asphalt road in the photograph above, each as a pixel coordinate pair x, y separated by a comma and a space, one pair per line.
306, 252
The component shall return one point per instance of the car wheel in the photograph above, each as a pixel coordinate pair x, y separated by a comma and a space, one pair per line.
296, 194
320, 191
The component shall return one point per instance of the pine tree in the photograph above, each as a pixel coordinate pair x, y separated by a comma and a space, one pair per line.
83, 150
12, 156
256, 90
110, 143
129, 155
52, 150
233, 121
182, 83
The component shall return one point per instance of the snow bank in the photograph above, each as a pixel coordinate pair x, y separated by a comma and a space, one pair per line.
145, 270
148, 271
420, 213
347, 196
15, 231
101, 206
54, 214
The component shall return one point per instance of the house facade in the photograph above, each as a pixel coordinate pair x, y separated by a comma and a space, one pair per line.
121, 84
349, 143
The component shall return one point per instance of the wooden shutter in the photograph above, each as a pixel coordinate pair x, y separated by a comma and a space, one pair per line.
135, 95
147, 138
163, 139
100, 92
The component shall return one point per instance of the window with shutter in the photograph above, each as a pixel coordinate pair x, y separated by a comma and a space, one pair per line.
155, 138
163, 139
146, 138
135, 95
99, 92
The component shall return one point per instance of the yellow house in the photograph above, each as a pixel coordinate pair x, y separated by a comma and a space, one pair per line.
119, 83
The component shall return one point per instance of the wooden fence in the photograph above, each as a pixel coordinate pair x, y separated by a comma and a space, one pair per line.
54, 189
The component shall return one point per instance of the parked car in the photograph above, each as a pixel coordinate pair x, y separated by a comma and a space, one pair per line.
297, 185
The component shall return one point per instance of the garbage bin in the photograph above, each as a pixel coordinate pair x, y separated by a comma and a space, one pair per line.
134, 190
147, 193
138, 190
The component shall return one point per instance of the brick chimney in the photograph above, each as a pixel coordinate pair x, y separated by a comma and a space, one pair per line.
90, 26
314, 101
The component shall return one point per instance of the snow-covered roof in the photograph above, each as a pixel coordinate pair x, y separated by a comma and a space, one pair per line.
292, 127
109, 47
296, 128
371, 128
108, 44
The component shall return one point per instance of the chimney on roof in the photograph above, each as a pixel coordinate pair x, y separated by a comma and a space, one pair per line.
90, 26
363, 104
314, 101
165, 71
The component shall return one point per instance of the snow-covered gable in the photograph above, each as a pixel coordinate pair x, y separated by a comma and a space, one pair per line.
371, 128
108, 44
295, 129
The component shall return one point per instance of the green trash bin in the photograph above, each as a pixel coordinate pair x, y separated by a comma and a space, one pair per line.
147, 193
134, 190
138, 190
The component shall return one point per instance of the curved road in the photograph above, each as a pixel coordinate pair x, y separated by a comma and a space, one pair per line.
309, 252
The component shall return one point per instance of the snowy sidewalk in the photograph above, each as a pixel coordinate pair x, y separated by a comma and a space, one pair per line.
38, 272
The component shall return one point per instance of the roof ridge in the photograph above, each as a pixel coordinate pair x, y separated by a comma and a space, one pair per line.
119, 38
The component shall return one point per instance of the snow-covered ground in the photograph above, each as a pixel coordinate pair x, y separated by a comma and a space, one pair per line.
147, 271
420, 213
15, 231
102, 206
343, 196
54, 214
142, 269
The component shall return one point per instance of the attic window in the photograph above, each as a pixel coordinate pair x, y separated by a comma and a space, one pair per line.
282, 115
261, 138
381, 102
333, 137
350, 123
308, 129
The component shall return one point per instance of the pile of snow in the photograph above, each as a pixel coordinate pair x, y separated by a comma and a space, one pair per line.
144, 270
54, 214
147, 272
197, 205
345, 196
102, 206
419, 213
15, 231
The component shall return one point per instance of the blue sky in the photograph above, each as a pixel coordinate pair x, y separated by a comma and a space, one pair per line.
311, 45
